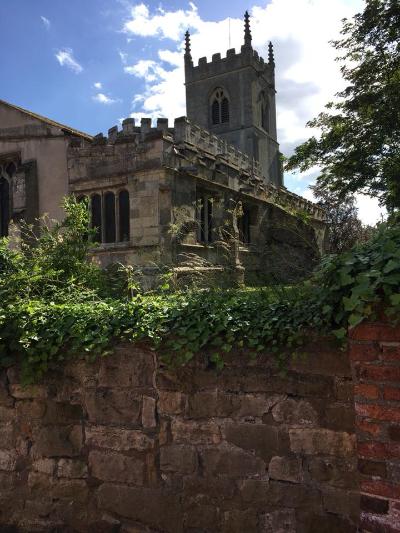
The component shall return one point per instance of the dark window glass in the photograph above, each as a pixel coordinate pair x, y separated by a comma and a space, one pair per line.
96, 216
225, 110
109, 219
204, 219
215, 112
4, 207
124, 216
10, 169
244, 226
209, 220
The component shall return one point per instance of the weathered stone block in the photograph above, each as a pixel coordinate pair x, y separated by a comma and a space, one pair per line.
30, 409
58, 441
128, 367
180, 459
116, 467
154, 508
295, 413
321, 441
72, 469
265, 441
44, 466
285, 469
149, 412
231, 462
342, 503
114, 407
237, 521
118, 439
254, 492
282, 521
171, 402
189, 432
7, 436
335, 471
8, 460
28, 392
257, 405
201, 517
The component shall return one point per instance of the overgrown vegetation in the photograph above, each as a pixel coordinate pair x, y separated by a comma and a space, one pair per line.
55, 304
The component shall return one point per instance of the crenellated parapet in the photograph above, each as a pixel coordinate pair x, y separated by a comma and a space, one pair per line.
132, 148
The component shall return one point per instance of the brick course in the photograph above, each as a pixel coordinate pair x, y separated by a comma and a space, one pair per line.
375, 357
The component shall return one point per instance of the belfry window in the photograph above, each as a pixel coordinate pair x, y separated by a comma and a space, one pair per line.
219, 107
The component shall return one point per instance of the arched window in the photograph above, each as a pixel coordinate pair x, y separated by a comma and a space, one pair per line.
109, 216
219, 107
4, 206
96, 216
124, 218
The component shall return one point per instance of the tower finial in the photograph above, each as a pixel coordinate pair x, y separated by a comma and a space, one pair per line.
271, 58
247, 32
188, 55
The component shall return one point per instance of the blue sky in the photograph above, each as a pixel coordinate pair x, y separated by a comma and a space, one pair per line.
90, 63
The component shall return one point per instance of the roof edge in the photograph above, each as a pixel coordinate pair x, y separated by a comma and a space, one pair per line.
63, 127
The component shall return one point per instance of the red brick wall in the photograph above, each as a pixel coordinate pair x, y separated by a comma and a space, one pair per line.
375, 358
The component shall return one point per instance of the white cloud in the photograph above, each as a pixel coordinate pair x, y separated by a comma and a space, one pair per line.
98, 85
102, 98
123, 56
307, 76
369, 209
66, 58
165, 24
46, 22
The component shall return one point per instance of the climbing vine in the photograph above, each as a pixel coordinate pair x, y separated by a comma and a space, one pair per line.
51, 312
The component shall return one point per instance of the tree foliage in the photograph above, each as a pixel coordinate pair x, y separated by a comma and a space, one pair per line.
345, 229
359, 146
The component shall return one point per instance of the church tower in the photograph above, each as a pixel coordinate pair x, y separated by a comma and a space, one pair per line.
234, 98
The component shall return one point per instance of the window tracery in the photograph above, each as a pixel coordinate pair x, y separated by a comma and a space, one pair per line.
110, 216
219, 107
7, 171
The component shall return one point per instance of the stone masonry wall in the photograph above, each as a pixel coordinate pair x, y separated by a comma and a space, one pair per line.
122, 445
375, 358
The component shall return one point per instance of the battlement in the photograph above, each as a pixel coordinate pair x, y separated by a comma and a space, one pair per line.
218, 65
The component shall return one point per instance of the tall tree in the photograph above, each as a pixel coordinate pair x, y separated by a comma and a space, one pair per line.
359, 146
345, 229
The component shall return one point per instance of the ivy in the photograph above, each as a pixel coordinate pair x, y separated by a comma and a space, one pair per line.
62, 316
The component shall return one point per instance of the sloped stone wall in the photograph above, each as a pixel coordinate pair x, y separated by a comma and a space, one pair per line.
123, 445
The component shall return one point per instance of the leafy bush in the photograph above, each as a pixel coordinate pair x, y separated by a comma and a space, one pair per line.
56, 304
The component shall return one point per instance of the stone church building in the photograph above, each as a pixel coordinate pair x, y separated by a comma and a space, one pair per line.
159, 194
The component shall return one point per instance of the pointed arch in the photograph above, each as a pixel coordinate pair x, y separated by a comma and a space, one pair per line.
219, 105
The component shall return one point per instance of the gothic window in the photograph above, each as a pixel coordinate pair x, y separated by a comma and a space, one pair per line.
244, 226
109, 217
204, 215
219, 107
4, 206
123, 201
6, 174
96, 216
